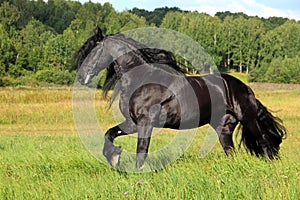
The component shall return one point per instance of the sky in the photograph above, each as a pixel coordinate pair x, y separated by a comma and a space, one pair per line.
261, 8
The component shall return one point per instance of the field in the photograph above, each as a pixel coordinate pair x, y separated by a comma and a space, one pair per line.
42, 156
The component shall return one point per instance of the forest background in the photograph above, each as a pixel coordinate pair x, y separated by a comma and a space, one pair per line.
38, 39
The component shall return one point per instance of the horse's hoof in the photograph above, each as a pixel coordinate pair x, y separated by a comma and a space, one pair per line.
115, 160
115, 157
140, 168
139, 165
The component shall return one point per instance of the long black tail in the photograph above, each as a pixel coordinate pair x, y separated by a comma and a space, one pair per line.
271, 130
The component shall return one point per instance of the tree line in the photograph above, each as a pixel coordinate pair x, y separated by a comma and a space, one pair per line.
38, 38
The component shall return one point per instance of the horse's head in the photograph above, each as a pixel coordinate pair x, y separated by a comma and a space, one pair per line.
99, 51
97, 60
92, 57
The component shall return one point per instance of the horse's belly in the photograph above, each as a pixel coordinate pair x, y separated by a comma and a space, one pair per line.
184, 112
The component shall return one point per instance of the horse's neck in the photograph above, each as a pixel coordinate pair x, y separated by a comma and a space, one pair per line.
127, 62
134, 78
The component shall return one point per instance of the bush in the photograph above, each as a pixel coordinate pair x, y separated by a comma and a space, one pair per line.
61, 77
7, 81
280, 70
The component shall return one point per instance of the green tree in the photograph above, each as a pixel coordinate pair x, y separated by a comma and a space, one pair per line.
202, 28
60, 15
273, 22
25, 9
227, 48
130, 21
280, 70
9, 15
123, 21
7, 51
238, 43
57, 51
31, 45
112, 23
206, 30
254, 31
223, 15
172, 20
90, 14
241, 42
39, 37
154, 17
283, 41
279, 54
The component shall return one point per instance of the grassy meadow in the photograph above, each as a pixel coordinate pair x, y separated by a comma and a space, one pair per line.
42, 156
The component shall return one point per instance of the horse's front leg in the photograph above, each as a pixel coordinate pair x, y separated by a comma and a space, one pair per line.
144, 136
111, 152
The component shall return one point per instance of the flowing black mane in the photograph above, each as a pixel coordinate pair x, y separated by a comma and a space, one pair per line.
141, 51
150, 56
86, 48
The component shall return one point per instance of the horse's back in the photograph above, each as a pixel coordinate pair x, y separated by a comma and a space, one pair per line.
226, 93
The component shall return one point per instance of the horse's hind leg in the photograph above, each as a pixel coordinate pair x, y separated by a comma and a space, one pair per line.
225, 130
111, 152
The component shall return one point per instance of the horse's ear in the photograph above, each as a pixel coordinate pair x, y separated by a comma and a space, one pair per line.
99, 33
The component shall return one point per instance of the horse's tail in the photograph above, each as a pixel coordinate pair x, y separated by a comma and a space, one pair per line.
272, 131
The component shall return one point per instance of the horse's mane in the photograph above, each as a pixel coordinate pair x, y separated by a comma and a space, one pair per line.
149, 55
79, 56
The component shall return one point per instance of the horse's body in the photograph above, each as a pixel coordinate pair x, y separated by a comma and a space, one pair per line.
154, 93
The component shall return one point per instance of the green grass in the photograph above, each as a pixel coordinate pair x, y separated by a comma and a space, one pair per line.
59, 167
42, 157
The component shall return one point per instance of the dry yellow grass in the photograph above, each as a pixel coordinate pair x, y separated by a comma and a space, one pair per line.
49, 111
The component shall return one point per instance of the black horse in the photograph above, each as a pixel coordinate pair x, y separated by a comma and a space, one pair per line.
154, 92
